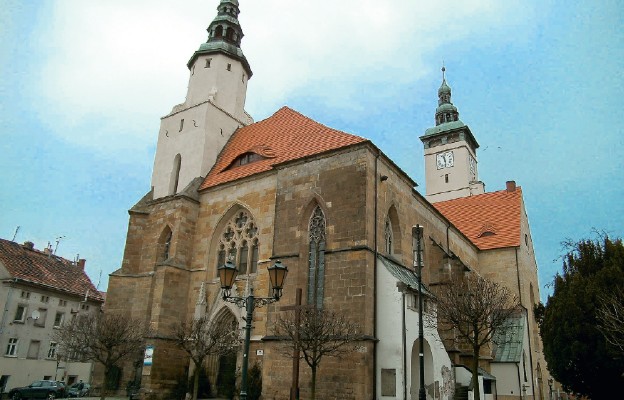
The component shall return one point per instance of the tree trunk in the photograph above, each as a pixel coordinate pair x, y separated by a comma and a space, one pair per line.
195, 382
313, 383
475, 373
106, 373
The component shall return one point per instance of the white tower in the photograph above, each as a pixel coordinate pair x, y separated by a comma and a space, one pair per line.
450, 153
192, 135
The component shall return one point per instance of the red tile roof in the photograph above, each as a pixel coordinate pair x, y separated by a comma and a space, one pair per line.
38, 268
489, 220
285, 136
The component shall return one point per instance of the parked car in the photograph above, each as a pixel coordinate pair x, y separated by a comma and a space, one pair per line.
79, 389
40, 390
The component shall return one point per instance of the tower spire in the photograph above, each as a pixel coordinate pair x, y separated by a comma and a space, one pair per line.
224, 35
446, 111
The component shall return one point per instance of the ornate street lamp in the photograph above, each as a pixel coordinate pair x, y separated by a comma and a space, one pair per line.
417, 235
227, 276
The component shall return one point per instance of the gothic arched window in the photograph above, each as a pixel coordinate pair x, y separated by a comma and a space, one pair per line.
316, 258
239, 243
165, 244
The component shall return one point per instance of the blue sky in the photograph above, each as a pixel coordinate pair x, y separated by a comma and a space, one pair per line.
83, 84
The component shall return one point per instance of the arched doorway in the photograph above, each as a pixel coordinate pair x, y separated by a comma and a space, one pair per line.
415, 367
225, 380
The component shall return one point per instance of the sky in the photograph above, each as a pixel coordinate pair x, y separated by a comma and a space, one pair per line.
83, 84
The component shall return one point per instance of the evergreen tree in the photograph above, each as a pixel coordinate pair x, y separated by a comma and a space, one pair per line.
577, 352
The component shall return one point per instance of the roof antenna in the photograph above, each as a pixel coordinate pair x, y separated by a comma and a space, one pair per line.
15, 234
98, 283
58, 240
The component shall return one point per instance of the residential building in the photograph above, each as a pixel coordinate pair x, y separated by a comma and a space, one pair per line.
39, 291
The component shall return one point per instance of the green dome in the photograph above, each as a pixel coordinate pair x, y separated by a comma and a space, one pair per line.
446, 107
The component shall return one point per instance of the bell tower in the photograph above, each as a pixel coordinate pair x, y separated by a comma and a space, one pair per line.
450, 153
192, 135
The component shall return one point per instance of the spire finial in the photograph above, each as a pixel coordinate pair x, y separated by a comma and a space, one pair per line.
443, 71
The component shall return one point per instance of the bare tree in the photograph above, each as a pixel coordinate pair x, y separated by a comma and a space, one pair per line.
201, 338
104, 338
611, 318
475, 309
319, 333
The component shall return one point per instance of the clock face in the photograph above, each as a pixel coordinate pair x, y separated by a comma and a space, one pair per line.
440, 161
449, 159
444, 160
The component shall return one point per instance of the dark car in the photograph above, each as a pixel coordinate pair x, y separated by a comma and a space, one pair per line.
39, 390
79, 389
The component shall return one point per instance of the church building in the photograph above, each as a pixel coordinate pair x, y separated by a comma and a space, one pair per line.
339, 213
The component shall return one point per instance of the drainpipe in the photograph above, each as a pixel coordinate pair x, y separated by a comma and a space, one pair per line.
526, 311
375, 278
404, 347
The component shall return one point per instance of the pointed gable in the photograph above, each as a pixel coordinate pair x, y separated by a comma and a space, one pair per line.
285, 136
45, 270
489, 220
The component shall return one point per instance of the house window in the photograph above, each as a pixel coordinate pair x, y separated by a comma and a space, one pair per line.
11, 349
316, 258
25, 295
62, 303
20, 313
84, 307
229, 67
181, 125
208, 61
45, 299
58, 319
239, 243
52, 350
33, 349
43, 314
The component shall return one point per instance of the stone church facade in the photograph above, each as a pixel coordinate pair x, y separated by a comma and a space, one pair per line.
225, 187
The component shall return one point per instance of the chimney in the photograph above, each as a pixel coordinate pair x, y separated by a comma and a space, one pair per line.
47, 251
511, 186
29, 245
81, 263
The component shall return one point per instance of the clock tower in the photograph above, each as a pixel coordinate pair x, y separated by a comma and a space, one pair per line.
450, 153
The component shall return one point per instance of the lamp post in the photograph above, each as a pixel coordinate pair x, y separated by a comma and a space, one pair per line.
417, 234
227, 275
550, 385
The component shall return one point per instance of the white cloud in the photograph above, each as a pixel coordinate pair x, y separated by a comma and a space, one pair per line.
122, 64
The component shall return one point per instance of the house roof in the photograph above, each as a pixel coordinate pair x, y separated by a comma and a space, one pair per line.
489, 220
285, 136
403, 274
46, 270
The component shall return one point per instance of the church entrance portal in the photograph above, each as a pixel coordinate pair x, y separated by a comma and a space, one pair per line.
226, 373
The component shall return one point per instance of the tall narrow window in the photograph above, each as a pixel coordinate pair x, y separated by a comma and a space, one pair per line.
20, 313
208, 61
316, 258
52, 350
175, 174
11, 349
239, 243
164, 244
